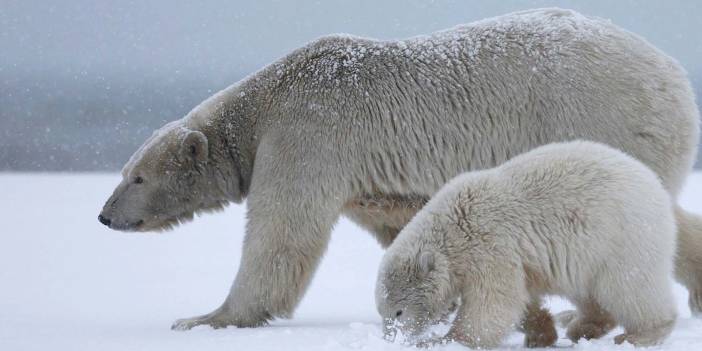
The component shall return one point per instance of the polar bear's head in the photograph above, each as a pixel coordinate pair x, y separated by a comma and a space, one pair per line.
165, 182
413, 290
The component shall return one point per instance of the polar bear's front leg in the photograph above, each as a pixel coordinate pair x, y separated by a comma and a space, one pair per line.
281, 252
288, 230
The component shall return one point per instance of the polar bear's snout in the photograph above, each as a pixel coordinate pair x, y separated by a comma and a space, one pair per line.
104, 220
124, 210
124, 226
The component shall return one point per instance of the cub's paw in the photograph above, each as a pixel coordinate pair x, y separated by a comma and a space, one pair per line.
638, 340
429, 343
650, 337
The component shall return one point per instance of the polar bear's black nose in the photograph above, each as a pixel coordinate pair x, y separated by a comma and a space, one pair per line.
103, 220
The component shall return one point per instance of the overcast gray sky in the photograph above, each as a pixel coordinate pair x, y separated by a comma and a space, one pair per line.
84, 82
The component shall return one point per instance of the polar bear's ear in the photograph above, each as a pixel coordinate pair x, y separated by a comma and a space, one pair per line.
426, 261
194, 146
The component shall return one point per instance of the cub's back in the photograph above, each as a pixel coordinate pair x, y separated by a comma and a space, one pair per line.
574, 207
584, 190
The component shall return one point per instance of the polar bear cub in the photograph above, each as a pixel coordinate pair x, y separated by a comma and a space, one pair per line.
579, 219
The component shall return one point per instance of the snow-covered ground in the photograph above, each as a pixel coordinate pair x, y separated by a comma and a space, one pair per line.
68, 283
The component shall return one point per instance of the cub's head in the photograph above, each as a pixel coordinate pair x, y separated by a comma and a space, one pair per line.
413, 290
165, 182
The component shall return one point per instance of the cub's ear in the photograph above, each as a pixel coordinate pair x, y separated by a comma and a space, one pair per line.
194, 146
426, 261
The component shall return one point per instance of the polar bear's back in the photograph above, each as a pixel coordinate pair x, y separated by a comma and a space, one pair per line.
404, 117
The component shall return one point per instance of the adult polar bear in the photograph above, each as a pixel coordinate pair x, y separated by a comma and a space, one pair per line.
372, 129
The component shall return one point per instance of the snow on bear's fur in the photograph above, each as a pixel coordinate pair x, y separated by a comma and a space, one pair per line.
371, 129
577, 219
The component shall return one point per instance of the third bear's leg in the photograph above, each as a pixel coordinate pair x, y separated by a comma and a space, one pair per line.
591, 321
538, 326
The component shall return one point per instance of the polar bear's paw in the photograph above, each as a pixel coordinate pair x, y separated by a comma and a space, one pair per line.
188, 323
214, 321
217, 319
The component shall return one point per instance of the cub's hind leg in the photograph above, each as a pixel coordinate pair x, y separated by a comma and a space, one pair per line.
642, 302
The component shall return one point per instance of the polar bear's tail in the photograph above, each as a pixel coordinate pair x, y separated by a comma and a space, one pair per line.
688, 263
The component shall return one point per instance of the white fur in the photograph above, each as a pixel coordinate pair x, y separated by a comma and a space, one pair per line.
372, 129
577, 219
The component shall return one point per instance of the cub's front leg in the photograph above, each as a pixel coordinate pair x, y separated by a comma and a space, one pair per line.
493, 301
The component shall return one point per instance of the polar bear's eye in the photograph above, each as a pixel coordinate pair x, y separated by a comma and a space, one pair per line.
399, 313
138, 180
